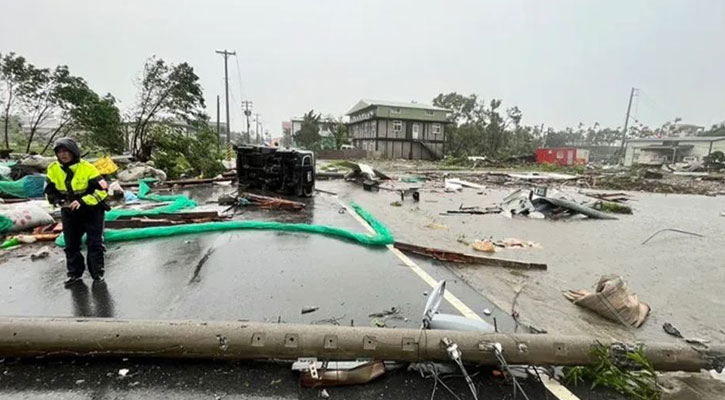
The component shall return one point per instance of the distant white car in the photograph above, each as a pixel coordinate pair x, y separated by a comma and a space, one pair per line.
347, 147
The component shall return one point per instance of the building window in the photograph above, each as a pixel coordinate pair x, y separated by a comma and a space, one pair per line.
397, 126
428, 112
395, 111
436, 129
373, 127
559, 155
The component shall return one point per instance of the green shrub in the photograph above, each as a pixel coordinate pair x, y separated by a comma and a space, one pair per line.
638, 381
187, 154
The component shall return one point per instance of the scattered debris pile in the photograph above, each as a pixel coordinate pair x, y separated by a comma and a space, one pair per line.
543, 202
490, 246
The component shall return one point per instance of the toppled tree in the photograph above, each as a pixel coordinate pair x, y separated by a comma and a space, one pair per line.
308, 136
167, 91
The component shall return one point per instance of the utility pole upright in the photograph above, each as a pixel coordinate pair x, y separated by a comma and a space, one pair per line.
226, 55
626, 123
247, 107
256, 127
218, 123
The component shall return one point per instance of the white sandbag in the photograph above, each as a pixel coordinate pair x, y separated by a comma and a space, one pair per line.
115, 189
37, 162
5, 173
25, 216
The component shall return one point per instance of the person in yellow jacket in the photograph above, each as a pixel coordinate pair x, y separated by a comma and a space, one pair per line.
76, 186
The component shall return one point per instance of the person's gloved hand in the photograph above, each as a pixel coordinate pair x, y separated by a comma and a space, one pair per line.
74, 205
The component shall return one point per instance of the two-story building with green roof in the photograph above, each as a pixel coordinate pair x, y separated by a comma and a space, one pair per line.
398, 130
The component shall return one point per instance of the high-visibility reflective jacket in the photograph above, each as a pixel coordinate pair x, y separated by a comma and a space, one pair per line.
80, 181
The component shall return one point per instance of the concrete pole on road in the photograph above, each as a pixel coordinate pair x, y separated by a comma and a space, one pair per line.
226, 55
240, 340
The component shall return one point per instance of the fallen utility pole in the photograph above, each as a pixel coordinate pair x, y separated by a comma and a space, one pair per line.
452, 256
242, 340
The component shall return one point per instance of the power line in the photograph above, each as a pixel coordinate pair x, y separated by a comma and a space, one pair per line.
239, 77
665, 111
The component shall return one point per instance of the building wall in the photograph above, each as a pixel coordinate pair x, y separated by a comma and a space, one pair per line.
634, 153
380, 136
410, 113
701, 149
718, 146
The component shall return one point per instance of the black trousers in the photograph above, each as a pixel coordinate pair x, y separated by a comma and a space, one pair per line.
88, 220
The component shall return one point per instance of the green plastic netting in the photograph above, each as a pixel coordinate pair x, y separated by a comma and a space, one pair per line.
382, 236
178, 202
27, 187
5, 224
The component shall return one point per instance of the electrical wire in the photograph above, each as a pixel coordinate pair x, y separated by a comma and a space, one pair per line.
653, 105
239, 77
505, 366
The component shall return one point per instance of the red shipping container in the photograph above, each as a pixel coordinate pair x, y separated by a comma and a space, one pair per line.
562, 156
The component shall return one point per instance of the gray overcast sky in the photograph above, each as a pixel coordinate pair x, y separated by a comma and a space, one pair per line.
561, 62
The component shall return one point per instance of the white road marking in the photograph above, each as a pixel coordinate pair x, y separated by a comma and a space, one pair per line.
557, 389
452, 299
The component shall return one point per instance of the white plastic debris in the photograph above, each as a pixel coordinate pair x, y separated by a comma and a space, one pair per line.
123, 372
467, 184
452, 187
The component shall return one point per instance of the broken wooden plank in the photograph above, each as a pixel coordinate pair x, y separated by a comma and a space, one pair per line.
149, 222
136, 223
452, 256
475, 211
184, 182
178, 216
273, 202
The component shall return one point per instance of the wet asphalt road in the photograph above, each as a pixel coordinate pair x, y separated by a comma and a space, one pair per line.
263, 276
254, 275
99, 379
